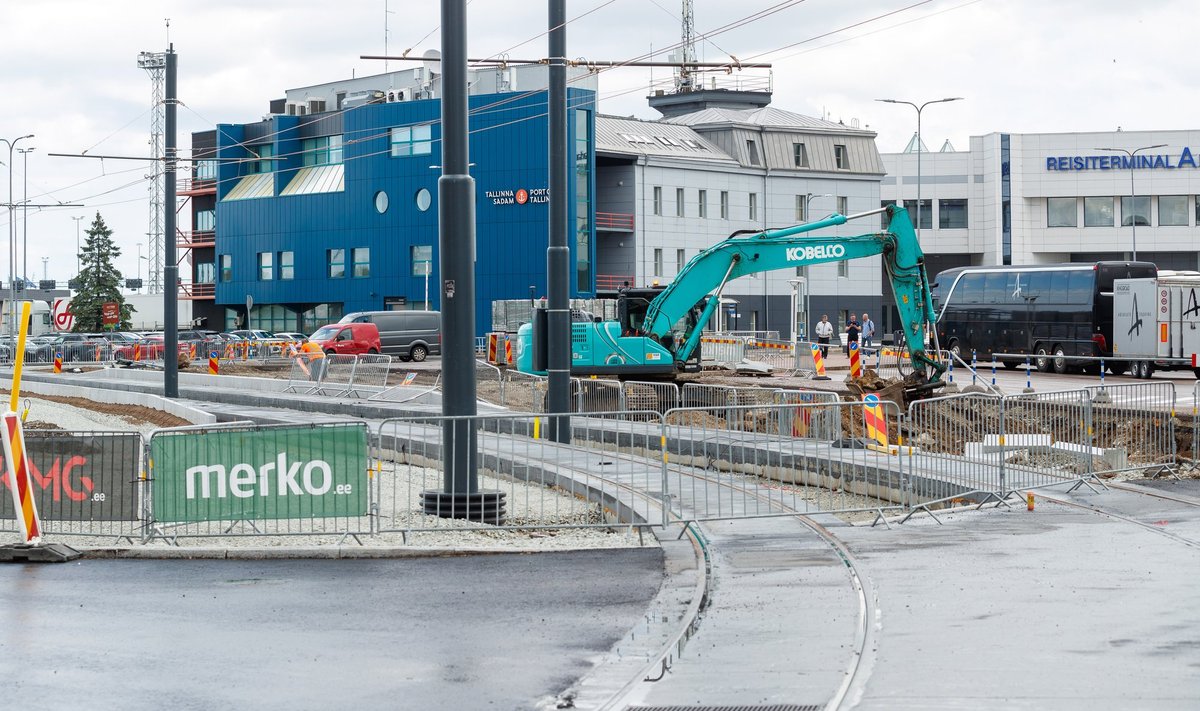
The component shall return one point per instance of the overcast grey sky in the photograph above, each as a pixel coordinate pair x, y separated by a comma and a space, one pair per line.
68, 73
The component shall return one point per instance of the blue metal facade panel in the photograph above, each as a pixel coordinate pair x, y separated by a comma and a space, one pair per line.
508, 152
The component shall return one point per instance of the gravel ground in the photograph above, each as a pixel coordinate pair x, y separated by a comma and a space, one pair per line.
54, 413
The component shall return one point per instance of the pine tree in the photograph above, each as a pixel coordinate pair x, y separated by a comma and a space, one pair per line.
99, 280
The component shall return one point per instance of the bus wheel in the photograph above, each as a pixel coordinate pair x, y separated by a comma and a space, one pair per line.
1143, 369
1060, 361
955, 350
1043, 360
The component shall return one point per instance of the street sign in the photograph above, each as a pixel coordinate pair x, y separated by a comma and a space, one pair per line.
47, 284
110, 313
133, 283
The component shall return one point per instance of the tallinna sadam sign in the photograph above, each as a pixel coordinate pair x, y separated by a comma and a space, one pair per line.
286, 472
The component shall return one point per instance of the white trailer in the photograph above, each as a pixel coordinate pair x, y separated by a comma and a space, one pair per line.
39, 318
1156, 323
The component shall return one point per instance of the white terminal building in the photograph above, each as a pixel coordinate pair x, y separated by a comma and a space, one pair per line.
1046, 198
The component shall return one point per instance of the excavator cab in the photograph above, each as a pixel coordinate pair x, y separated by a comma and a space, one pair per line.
632, 305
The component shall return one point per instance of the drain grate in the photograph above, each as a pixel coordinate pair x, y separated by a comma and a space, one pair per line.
773, 707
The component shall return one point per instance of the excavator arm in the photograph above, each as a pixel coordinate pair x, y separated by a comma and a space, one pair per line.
769, 250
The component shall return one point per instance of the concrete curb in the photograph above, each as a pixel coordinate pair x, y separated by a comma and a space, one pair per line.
37, 386
298, 553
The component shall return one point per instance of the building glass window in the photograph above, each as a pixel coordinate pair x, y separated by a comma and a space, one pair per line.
583, 201
658, 262
1062, 212
412, 140
801, 208
335, 259
802, 271
657, 199
844, 269
843, 204
421, 256
263, 151
752, 151
800, 155
320, 315
680, 259
753, 214
226, 267
925, 218
206, 273
360, 258
266, 266
1097, 212
703, 203
725, 205
272, 317
206, 170
206, 220
326, 150
840, 159
287, 266
952, 214
1172, 210
1135, 209
679, 202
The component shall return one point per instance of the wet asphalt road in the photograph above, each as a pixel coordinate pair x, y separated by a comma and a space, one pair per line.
471, 632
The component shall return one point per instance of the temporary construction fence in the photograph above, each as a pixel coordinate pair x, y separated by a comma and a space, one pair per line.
530, 480
339, 375
774, 353
721, 350
86, 483
259, 480
1140, 420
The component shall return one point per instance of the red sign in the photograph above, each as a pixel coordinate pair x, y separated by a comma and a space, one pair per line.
522, 196
110, 313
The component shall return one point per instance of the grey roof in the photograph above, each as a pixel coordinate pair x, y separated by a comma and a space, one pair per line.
766, 116
657, 138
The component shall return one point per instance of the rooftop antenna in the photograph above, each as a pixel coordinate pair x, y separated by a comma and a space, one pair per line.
386, 32
684, 81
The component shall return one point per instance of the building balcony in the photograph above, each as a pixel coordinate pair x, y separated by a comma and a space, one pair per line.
193, 239
189, 187
197, 292
614, 222
612, 282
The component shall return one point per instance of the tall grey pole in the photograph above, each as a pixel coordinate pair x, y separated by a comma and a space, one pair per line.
12, 238
170, 268
1133, 191
558, 316
460, 496
25, 219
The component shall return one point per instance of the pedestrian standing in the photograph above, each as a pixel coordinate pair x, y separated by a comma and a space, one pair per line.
852, 331
868, 331
824, 331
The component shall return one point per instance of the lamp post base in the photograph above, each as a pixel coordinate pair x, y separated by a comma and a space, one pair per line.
481, 506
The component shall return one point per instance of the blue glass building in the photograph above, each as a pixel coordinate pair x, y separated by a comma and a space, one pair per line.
316, 215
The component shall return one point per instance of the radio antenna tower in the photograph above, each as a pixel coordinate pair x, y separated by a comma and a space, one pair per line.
155, 63
684, 80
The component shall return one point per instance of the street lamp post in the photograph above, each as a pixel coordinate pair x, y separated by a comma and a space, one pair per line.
808, 204
1132, 191
919, 145
45, 268
77, 219
799, 305
25, 217
12, 239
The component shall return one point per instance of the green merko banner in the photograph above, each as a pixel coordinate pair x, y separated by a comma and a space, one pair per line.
274, 473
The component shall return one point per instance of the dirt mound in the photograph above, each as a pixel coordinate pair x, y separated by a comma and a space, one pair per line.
134, 414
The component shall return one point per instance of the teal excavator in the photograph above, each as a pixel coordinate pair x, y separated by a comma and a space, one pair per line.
657, 332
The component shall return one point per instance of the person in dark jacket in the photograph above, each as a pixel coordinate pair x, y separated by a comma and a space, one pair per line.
852, 331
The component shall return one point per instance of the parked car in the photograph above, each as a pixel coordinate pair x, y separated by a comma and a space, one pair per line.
74, 347
348, 338
291, 336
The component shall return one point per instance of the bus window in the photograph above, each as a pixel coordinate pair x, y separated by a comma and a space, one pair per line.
996, 288
1080, 287
1060, 286
1037, 285
969, 290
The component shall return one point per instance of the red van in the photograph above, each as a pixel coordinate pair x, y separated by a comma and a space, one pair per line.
347, 338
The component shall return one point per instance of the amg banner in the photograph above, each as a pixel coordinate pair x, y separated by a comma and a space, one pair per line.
81, 477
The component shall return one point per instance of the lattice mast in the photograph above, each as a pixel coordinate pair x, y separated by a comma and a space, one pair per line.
155, 64
685, 79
